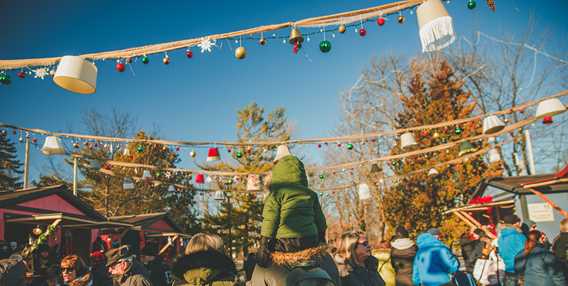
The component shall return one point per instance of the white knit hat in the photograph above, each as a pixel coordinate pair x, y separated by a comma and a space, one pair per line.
281, 152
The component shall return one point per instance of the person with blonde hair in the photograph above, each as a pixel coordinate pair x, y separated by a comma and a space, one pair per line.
74, 271
357, 267
205, 262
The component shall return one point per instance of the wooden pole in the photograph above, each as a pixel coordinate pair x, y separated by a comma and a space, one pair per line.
27, 163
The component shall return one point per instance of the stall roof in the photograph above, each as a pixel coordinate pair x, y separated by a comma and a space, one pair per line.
147, 221
14, 199
66, 221
547, 183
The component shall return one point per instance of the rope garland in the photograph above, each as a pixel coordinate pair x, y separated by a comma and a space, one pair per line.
268, 143
322, 21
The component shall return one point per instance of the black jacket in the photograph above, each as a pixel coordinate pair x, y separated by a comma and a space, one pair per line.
362, 276
402, 258
157, 270
205, 267
560, 247
471, 251
540, 267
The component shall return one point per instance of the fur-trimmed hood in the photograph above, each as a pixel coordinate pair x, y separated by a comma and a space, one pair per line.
204, 266
402, 243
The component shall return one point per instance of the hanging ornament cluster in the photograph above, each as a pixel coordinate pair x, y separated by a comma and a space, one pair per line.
296, 39
4, 78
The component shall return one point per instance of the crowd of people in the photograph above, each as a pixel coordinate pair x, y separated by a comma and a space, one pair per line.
293, 251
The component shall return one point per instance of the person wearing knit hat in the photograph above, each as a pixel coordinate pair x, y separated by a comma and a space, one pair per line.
511, 241
125, 270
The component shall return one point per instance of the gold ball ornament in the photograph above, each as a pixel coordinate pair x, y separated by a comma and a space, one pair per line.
240, 53
400, 19
341, 29
37, 231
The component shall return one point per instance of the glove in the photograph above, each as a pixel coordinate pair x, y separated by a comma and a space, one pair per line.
264, 253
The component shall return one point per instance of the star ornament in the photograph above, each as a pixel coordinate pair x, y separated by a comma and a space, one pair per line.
206, 45
41, 73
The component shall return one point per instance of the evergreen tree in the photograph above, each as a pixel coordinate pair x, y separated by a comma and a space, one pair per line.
419, 200
240, 213
9, 164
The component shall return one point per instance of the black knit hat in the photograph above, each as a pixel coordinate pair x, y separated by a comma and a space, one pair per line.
511, 219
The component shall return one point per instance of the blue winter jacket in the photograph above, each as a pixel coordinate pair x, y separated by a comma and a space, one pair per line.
434, 262
510, 243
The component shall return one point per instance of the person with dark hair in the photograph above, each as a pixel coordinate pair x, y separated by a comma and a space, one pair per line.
472, 248
44, 262
511, 241
560, 246
357, 266
539, 265
125, 270
153, 262
403, 250
74, 271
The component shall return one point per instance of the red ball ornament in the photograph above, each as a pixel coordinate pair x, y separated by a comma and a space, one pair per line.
177, 149
21, 74
120, 67
380, 21
547, 120
189, 54
166, 60
362, 32
319, 145
34, 140
424, 133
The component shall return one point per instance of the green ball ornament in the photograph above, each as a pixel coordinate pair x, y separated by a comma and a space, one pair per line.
322, 177
349, 146
140, 148
145, 59
5, 79
239, 154
458, 130
325, 46
471, 4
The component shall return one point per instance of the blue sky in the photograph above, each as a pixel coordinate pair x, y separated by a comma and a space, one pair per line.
197, 99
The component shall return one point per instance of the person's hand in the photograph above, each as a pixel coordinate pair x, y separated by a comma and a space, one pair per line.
264, 253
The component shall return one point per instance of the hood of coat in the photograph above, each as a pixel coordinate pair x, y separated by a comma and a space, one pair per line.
203, 266
288, 171
509, 231
427, 240
402, 243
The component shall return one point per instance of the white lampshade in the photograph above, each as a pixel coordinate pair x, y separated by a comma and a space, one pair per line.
208, 180
492, 124
407, 140
435, 25
126, 151
281, 152
433, 172
76, 75
549, 107
52, 146
171, 188
494, 156
253, 183
128, 184
146, 175
219, 196
364, 192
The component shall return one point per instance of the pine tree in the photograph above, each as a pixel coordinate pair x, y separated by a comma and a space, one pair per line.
9, 164
240, 213
419, 200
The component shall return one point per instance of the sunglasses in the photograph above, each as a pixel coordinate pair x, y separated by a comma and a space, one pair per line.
67, 269
364, 243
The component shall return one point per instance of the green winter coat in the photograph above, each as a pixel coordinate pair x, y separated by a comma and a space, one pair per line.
291, 210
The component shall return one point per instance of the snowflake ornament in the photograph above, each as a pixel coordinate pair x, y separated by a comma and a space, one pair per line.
168, 174
206, 45
41, 73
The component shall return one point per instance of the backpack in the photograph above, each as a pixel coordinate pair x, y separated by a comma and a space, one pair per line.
462, 278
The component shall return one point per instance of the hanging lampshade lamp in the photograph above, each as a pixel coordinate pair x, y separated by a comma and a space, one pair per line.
213, 154
146, 175
364, 192
407, 140
200, 179
253, 183
171, 189
492, 124
436, 29
128, 184
466, 148
75, 74
219, 196
547, 108
494, 156
52, 146
281, 152
433, 172
126, 151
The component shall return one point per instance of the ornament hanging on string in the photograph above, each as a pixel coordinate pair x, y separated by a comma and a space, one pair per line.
4, 78
491, 4
119, 66
240, 52
239, 154
362, 32
471, 4
400, 19
262, 40
145, 59
380, 21
188, 53
325, 45
21, 74
458, 130
192, 154
166, 59
140, 148
349, 146
341, 28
